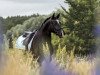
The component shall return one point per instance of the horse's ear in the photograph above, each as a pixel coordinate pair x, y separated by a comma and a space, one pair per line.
53, 16
58, 16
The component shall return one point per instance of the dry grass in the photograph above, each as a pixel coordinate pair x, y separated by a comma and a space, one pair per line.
17, 63
77, 65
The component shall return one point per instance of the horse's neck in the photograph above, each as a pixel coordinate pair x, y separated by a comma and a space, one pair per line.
46, 36
46, 29
44, 32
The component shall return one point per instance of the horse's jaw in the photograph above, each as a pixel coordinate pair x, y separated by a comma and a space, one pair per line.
61, 35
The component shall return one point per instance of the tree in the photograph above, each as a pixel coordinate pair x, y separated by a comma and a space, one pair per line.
80, 22
14, 20
28, 25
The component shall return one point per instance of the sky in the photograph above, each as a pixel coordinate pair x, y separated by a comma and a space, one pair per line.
28, 7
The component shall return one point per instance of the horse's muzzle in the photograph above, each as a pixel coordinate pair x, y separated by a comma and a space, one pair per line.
62, 34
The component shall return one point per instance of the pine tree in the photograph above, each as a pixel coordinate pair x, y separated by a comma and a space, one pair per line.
80, 21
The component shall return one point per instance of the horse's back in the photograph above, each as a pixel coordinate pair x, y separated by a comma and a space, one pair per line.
20, 42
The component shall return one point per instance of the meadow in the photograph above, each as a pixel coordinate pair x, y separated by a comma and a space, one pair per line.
19, 62
79, 21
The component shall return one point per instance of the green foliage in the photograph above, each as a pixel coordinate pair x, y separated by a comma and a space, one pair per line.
80, 21
28, 25
2, 25
14, 20
97, 15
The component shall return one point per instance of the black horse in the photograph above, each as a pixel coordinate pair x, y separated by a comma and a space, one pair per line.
43, 36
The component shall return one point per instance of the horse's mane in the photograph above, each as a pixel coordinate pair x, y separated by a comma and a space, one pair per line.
44, 22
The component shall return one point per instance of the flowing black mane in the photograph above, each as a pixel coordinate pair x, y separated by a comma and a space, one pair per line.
44, 22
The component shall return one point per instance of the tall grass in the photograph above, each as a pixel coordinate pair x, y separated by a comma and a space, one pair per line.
20, 63
77, 65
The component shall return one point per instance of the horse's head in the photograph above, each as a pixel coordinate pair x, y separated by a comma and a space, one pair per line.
55, 25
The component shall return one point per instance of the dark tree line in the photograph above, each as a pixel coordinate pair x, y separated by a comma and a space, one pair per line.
14, 20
